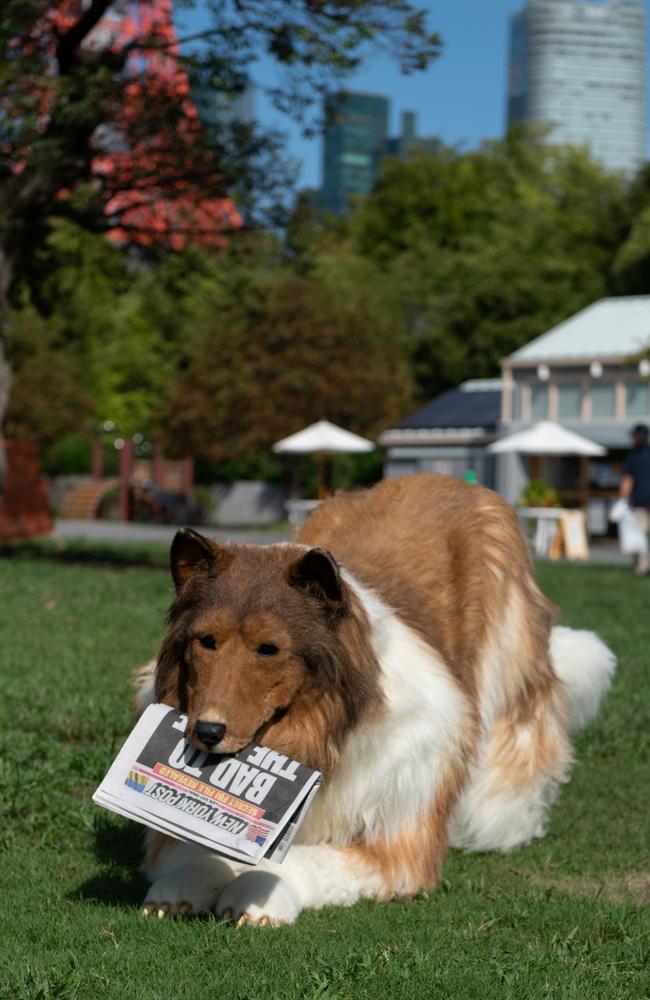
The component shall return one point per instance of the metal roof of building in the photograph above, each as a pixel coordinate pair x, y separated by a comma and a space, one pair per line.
608, 328
473, 404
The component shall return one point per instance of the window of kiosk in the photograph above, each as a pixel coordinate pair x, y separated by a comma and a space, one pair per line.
636, 399
569, 400
539, 401
603, 400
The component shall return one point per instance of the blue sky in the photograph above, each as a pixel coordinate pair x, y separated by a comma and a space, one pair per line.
461, 97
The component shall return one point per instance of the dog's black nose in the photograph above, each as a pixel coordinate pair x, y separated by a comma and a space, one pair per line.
209, 733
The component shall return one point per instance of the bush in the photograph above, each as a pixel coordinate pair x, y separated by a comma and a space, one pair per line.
72, 456
539, 493
69, 456
264, 467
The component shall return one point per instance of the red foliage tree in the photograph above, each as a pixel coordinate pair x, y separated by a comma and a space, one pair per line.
148, 167
96, 121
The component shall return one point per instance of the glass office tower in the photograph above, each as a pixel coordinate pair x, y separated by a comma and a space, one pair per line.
355, 139
579, 67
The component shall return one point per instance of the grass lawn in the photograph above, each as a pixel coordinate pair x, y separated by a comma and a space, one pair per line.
564, 918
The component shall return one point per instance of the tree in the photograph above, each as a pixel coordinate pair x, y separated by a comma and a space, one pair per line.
94, 324
97, 125
282, 350
489, 248
218, 353
50, 397
632, 264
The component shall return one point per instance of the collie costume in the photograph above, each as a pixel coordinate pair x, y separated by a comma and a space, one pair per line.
402, 647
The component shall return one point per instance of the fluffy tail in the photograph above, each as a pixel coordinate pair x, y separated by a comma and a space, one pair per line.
586, 666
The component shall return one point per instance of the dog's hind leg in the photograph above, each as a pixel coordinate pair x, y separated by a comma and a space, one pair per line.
186, 879
522, 762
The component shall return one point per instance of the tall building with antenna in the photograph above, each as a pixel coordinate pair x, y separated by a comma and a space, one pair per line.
354, 141
578, 67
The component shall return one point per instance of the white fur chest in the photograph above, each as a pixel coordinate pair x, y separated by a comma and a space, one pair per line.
391, 766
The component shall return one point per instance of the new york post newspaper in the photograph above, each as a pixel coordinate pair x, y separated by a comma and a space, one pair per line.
245, 806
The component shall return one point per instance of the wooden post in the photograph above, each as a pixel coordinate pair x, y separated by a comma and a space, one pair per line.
125, 467
188, 476
97, 468
158, 465
294, 466
584, 481
322, 476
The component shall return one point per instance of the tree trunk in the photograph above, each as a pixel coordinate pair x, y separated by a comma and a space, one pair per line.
5, 371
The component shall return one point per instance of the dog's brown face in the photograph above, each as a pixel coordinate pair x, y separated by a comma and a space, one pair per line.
250, 635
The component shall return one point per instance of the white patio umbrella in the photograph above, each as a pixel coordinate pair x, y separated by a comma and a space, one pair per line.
323, 438
547, 438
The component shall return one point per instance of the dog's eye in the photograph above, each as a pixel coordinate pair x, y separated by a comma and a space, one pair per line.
208, 642
266, 649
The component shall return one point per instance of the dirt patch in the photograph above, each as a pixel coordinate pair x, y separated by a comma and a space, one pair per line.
613, 887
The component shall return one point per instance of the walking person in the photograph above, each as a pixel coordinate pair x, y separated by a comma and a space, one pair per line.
635, 488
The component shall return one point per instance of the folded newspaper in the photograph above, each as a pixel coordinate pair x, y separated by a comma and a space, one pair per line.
246, 806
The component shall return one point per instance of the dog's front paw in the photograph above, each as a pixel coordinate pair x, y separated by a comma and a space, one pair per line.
259, 898
182, 891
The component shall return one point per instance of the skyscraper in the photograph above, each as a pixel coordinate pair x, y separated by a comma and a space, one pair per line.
408, 141
355, 140
579, 67
356, 136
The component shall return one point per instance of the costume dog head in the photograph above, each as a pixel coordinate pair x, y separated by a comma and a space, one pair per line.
265, 644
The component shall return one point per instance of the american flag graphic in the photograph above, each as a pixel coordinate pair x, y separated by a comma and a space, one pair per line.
257, 834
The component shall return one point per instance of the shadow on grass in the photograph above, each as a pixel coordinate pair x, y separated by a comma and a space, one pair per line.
150, 555
118, 848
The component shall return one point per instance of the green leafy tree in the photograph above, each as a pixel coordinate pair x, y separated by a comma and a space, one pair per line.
50, 396
632, 262
95, 120
86, 342
487, 249
280, 351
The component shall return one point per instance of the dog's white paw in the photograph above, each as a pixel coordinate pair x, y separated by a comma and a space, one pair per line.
259, 898
182, 891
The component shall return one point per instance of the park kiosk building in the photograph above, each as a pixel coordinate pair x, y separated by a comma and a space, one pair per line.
591, 374
448, 435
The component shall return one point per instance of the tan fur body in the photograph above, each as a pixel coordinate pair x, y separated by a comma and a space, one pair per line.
413, 669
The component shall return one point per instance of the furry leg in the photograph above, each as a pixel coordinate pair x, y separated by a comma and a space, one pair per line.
186, 879
315, 875
311, 876
518, 774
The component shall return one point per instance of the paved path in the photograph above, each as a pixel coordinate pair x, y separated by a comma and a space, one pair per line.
608, 554
118, 531
603, 553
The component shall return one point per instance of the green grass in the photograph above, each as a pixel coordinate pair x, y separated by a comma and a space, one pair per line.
85, 550
561, 919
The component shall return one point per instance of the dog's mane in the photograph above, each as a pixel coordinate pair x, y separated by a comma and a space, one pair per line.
342, 683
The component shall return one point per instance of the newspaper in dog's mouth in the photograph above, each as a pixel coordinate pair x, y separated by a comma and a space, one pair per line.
245, 805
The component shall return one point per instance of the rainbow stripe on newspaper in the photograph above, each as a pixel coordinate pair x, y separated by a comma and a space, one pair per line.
136, 781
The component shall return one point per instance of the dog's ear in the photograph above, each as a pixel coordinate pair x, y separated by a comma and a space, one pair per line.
317, 571
191, 553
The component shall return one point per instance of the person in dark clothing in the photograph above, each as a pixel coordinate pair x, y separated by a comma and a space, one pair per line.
635, 487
